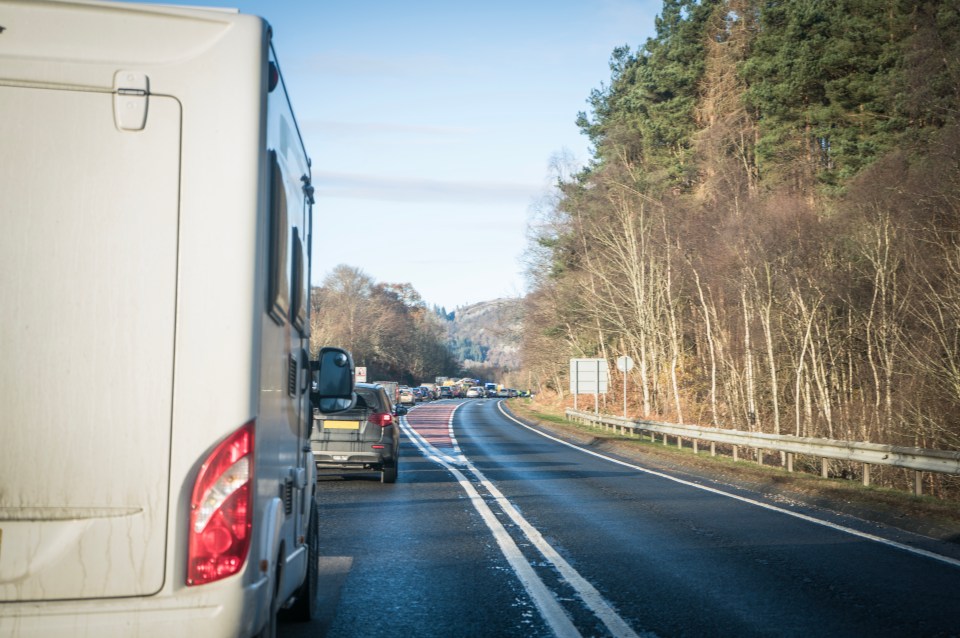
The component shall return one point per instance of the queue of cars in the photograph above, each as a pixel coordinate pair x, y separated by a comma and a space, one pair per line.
366, 437
414, 395
411, 395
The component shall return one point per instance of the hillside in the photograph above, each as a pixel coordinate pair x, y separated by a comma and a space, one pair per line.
487, 333
769, 225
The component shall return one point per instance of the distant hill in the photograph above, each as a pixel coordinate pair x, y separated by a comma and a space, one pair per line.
487, 333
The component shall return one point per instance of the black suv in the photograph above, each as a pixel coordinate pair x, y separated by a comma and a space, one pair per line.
366, 437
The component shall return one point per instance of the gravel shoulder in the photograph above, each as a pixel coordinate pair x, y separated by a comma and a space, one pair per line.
925, 516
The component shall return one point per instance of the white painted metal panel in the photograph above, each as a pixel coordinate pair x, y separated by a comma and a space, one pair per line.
88, 254
588, 376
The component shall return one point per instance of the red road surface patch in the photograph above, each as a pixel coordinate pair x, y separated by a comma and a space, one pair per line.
432, 422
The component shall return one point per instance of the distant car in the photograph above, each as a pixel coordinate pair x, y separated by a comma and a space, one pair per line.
427, 393
503, 393
446, 392
407, 396
475, 393
364, 438
513, 393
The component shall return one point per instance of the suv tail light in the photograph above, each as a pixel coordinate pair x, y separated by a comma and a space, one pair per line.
221, 510
383, 419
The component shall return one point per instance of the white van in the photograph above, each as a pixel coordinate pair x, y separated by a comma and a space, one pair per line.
156, 477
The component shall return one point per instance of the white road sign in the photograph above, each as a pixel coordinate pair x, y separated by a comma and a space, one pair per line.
588, 376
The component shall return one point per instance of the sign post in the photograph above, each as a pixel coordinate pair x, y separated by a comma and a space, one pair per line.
624, 365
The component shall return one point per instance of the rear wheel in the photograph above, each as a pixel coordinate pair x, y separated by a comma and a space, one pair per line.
305, 606
389, 473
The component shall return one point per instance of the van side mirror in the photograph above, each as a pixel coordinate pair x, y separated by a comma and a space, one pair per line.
332, 377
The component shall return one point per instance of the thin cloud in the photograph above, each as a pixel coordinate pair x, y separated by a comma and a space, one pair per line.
329, 127
373, 66
375, 187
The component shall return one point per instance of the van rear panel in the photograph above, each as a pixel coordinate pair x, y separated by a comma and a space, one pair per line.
89, 262
138, 203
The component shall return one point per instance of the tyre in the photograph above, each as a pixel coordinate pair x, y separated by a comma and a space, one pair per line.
305, 606
389, 473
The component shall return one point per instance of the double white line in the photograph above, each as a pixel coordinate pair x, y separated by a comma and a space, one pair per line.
543, 598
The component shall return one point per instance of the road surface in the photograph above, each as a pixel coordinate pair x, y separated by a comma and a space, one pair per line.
496, 530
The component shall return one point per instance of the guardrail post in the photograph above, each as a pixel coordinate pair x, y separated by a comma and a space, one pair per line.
695, 447
713, 448
790, 461
866, 474
679, 443
665, 438
759, 456
736, 449
918, 483
824, 468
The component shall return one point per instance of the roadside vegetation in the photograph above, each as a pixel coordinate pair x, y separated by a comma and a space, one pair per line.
769, 225
387, 327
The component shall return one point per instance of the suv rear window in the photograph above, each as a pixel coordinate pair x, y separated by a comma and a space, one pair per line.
369, 399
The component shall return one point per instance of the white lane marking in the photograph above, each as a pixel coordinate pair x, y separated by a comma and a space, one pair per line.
840, 528
542, 597
458, 459
587, 592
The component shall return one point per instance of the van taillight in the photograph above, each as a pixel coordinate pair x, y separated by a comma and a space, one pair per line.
383, 419
221, 510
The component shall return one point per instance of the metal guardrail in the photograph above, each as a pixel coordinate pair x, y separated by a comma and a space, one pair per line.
917, 459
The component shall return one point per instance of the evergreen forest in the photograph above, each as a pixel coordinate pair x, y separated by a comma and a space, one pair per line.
769, 224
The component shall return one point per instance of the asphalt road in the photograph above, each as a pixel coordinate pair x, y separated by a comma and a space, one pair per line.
499, 531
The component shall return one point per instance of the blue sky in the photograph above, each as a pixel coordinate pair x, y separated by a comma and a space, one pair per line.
432, 125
